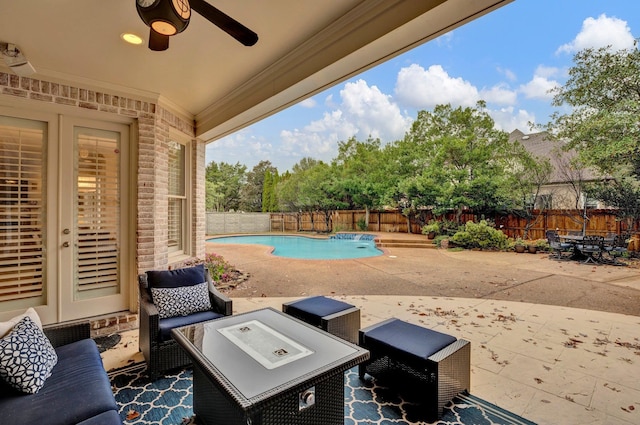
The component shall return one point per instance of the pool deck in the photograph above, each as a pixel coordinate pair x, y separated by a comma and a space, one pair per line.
575, 363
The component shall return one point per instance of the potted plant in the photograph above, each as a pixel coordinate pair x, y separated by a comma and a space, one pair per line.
431, 229
519, 246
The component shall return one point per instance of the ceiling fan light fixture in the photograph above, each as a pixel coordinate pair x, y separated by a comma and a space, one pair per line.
164, 27
166, 17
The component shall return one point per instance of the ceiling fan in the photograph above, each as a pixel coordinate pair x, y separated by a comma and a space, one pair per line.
170, 17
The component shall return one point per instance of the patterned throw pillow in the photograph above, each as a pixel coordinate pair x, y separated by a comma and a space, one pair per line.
26, 357
181, 301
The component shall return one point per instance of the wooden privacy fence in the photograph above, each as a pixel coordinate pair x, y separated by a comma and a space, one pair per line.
601, 222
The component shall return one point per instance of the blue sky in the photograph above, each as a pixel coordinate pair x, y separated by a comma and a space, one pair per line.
510, 58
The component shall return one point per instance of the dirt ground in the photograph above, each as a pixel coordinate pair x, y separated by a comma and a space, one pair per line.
533, 278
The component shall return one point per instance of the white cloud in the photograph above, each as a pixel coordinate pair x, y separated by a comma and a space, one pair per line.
547, 71
507, 119
328, 101
600, 32
500, 94
308, 103
363, 111
424, 89
509, 74
540, 85
373, 112
241, 147
445, 39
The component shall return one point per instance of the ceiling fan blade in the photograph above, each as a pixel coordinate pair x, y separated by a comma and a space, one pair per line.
157, 41
226, 23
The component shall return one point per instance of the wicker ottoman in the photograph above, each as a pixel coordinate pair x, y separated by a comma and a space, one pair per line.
336, 317
438, 364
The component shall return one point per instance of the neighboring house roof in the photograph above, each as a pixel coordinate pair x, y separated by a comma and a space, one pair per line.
541, 146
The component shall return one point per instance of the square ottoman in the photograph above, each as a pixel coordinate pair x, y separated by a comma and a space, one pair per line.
437, 364
334, 316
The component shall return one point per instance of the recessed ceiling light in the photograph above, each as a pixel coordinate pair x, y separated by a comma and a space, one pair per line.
131, 38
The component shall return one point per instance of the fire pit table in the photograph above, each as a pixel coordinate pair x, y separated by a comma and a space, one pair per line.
265, 367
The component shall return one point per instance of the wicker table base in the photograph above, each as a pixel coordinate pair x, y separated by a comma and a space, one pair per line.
212, 407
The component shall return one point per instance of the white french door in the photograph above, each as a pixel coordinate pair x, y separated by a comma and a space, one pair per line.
63, 216
93, 218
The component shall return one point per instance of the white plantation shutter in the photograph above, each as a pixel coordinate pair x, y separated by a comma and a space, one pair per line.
98, 212
22, 210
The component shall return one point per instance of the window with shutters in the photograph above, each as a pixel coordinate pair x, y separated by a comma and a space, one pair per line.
177, 199
22, 211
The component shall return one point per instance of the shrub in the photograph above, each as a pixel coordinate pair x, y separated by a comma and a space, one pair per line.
362, 224
219, 269
542, 245
437, 241
449, 227
479, 235
432, 226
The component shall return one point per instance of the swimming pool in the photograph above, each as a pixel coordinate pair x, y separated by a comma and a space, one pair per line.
303, 247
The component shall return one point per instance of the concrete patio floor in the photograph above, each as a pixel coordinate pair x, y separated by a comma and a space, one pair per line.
549, 340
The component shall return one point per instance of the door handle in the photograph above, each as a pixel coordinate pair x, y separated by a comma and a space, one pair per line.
65, 244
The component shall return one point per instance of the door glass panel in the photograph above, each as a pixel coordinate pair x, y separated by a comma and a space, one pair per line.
22, 212
97, 218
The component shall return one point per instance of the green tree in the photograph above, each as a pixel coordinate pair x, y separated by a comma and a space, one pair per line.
529, 174
360, 178
251, 192
269, 195
267, 187
603, 91
459, 161
224, 183
311, 187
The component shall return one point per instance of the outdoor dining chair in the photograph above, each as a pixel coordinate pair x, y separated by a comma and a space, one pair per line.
617, 249
557, 246
592, 246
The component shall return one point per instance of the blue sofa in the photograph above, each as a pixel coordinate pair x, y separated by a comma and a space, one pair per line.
77, 392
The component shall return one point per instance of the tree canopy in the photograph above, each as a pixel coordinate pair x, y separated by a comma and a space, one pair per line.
603, 91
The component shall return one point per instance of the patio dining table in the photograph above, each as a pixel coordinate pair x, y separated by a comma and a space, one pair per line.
577, 240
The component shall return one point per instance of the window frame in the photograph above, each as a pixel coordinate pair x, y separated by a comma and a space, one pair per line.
184, 251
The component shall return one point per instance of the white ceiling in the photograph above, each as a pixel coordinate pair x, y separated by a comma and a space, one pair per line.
305, 46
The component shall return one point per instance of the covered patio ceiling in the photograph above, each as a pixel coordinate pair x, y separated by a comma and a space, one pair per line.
304, 47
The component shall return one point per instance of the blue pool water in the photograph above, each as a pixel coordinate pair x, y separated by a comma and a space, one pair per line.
309, 248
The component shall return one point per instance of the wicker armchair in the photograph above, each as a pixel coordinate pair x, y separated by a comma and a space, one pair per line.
160, 350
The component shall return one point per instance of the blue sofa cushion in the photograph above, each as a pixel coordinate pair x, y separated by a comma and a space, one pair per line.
409, 338
78, 389
186, 276
165, 325
26, 357
312, 309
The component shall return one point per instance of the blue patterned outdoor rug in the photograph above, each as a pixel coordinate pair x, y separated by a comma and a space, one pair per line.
168, 401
